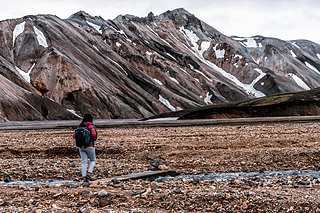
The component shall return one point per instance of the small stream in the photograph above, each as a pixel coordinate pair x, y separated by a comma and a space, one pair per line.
241, 175
202, 177
38, 182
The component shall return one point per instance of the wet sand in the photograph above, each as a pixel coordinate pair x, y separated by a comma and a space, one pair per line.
31, 155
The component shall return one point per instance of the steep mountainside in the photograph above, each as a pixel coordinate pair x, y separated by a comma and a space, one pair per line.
134, 67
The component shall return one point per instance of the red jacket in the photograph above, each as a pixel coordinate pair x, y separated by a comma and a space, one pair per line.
92, 130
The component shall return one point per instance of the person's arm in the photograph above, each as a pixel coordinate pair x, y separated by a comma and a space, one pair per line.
93, 132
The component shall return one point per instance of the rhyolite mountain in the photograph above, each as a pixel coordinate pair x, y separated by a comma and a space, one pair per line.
131, 67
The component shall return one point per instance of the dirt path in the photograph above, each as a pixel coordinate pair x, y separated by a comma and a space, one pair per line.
50, 154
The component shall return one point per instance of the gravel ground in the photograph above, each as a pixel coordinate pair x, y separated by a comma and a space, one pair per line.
35, 155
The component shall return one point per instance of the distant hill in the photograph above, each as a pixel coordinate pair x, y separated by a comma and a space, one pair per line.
306, 103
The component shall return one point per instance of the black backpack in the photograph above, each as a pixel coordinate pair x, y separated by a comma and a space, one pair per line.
82, 137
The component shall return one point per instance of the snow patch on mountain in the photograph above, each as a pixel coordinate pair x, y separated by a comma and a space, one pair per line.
198, 71
238, 56
207, 100
292, 53
191, 37
74, 112
119, 31
312, 67
204, 46
318, 55
158, 35
248, 42
219, 53
299, 81
249, 88
117, 65
95, 26
25, 75
96, 48
294, 44
174, 80
158, 81
41, 38
166, 103
19, 28
168, 54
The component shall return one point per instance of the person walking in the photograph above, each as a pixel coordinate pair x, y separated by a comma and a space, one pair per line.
88, 151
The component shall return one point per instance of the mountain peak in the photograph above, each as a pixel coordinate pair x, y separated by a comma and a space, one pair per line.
80, 15
179, 11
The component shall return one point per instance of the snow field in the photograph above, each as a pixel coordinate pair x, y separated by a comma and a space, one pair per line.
312, 67
96, 27
292, 53
74, 112
158, 81
19, 28
207, 99
41, 38
25, 75
174, 80
166, 103
219, 53
249, 88
299, 81
250, 42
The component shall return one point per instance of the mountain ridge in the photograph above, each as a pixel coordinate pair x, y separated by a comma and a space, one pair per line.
132, 67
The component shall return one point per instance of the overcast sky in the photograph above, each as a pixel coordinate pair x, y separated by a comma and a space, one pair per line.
284, 19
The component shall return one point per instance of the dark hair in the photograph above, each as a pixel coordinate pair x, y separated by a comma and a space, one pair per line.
86, 118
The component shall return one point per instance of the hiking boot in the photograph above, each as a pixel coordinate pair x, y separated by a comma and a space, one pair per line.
89, 178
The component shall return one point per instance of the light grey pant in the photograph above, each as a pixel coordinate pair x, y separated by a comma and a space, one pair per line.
86, 153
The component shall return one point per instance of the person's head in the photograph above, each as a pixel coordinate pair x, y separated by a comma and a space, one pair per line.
87, 118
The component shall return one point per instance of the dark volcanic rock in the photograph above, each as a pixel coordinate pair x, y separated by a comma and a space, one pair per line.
134, 67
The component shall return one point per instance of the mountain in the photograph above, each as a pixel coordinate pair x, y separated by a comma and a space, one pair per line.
133, 67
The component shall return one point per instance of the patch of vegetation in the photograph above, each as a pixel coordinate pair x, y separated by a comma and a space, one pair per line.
266, 100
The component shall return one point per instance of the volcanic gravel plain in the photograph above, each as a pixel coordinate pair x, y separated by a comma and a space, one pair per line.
34, 156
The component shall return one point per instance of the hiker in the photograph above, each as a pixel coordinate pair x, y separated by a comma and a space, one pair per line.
87, 151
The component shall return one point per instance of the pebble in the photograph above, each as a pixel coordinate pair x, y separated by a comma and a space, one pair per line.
85, 192
103, 193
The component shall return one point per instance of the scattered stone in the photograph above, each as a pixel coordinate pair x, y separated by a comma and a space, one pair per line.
71, 185
7, 180
163, 167
57, 195
138, 192
105, 201
305, 183
115, 181
86, 184
157, 163
103, 193
4, 203
85, 192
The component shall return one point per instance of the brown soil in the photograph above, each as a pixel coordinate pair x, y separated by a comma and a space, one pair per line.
51, 154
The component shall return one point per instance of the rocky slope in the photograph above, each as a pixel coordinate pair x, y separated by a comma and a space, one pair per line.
134, 67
